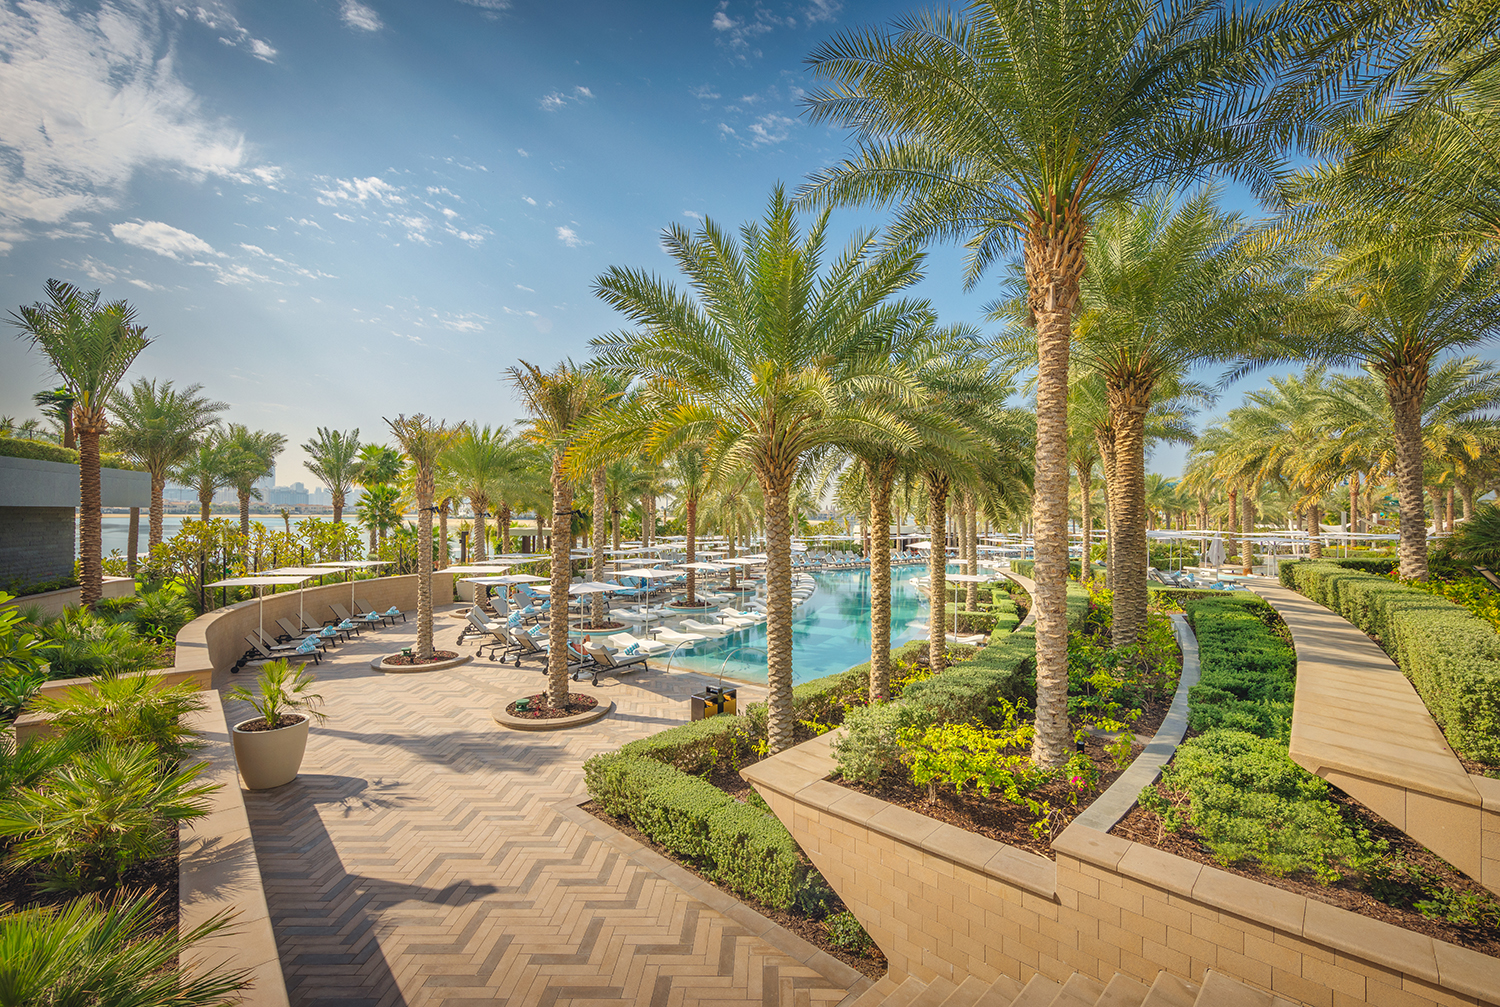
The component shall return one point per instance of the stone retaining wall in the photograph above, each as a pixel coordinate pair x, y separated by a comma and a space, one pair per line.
941, 901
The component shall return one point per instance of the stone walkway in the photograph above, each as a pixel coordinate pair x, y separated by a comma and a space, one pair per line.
427, 855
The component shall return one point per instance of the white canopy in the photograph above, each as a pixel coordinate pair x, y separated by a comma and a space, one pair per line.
969, 578
355, 564
264, 580
594, 587
705, 567
645, 572
509, 578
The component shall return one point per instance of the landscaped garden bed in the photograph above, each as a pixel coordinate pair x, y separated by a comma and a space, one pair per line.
1232, 796
538, 707
405, 660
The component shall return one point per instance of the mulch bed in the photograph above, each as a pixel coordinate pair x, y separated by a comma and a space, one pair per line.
1145, 827
437, 657
539, 710
601, 627
806, 927
994, 817
259, 724
154, 877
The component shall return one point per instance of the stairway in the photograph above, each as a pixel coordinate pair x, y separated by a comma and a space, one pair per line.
1079, 991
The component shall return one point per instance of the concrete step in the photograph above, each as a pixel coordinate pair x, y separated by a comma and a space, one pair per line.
967, 994
938, 990
1078, 991
1221, 991
1040, 992
904, 994
1123, 991
1170, 991
875, 994
1001, 993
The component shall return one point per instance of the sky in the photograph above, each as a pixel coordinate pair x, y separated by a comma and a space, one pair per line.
334, 211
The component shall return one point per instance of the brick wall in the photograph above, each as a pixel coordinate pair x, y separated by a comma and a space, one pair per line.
36, 544
943, 902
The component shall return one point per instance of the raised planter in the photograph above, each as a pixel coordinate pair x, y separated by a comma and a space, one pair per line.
555, 724
379, 664
269, 759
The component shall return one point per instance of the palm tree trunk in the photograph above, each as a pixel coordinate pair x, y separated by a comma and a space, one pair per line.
1128, 506
1105, 438
1314, 532
690, 505
881, 475
504, 520
614, 524
937, 571
1467, 489
423, 650
244, 494
557, 624
90, 536
479, 505
1086, 515
1448, 511
1247, 504
1354, 501
1405, 392
154, 521
779, 724
443, 535
600, 530
205, 506
132, 546
971, 538
338, 506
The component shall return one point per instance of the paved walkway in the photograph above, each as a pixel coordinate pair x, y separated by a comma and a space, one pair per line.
427, 855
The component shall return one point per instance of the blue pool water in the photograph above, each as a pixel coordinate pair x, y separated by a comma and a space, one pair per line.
830, 631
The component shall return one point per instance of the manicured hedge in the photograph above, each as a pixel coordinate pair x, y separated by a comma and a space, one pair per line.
1451, 657
46, 451
1025, 567
1249, 672
965, 691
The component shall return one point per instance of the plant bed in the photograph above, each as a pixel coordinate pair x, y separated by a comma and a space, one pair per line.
156, 878
439, 660
813, 929
599, 627
537, 707
410, 660
1415, 875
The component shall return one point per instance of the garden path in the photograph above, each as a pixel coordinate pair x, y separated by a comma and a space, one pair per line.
428, 856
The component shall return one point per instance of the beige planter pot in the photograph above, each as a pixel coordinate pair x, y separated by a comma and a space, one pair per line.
269, 758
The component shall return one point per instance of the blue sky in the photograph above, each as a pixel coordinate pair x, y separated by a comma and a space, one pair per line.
332, 211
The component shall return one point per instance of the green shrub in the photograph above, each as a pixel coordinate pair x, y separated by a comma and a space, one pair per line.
695, 747
98, 815
45, 451
138, 708
1249, 672
94, 951
1248, 801
844, 932
80, 644
161, 614
740, 844
1451, 657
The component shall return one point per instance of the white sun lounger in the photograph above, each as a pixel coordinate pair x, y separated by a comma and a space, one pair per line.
707, 629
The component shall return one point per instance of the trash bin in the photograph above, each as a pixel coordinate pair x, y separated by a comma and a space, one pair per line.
713, 701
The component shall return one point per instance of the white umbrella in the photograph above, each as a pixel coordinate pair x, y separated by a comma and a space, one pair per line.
1216, 554
964, 578
349, 566
263, 580
705, 567
304, 571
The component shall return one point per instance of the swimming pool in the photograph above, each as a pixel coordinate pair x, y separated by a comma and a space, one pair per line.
830, 631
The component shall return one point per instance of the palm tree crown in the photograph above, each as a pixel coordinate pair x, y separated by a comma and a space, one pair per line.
159, 426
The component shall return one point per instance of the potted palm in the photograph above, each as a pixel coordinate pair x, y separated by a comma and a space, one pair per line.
268, 747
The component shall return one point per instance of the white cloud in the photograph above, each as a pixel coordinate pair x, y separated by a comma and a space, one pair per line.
527, 289
216, 16
357, 15
305, 222
821, 10
360, 190
91, 97
692, 213
529, 200
726, 129
145, 286
722, 21
491, 8
738, 33
557, 99
163, 239
522, 152
461, 323
704, 93
772, 128
582, 92
570, 237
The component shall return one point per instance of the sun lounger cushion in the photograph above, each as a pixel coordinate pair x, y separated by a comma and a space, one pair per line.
634, 648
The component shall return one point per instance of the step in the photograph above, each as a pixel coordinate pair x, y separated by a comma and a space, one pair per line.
905, 993
1040, 992
1001, 993
968, 993
1078, 991
875, 993
1123, 991
1170, 991
938, 990
1221, 991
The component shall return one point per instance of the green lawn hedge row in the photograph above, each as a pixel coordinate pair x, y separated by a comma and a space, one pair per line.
741, 846
1249, 673
46, 451
1451, 657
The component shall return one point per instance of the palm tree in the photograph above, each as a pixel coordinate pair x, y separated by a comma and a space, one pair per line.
333, 456
480, 462
424, 440
205, 470
757, 363
1014, 124
560, 401
159, 427
624, 479
58, 404
687, 474
90, 346
378, 467
379, 510
249, 455
1396, 306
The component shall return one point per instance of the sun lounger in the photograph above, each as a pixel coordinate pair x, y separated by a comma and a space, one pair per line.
495, 636
393, 613
676, 639
707, 629
624, 641
374, 621
296, 632
603, 660
260, 652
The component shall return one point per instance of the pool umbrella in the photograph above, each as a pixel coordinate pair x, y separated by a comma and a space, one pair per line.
261, 580
961, 578
646, 573
1215, 555
350, 565
592, 587
304, 571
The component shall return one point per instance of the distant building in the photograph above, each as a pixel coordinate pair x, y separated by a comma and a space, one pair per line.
294, 495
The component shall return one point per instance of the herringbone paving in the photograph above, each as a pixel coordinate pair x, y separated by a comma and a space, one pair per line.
427, 855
